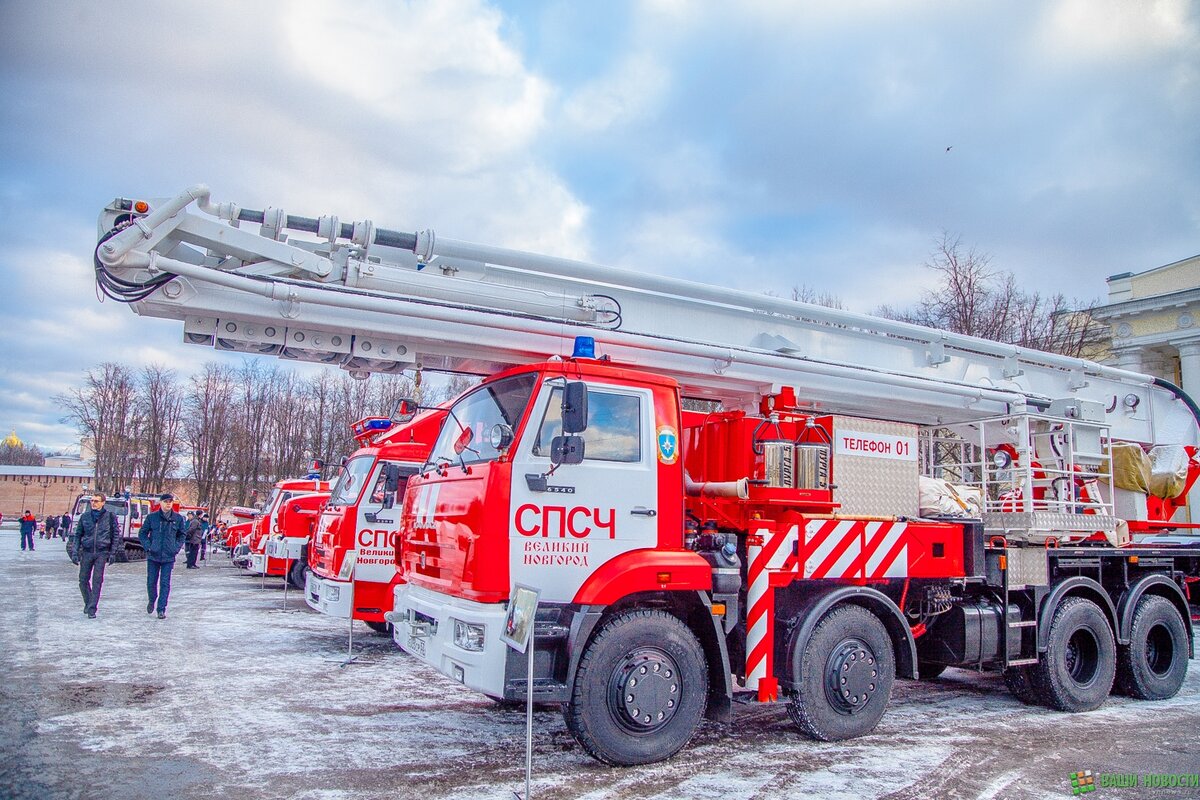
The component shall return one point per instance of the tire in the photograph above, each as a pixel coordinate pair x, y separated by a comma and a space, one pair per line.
296, 575
379, 627
640, 690
843, 675
1154, 664
1076, 671
1019, 681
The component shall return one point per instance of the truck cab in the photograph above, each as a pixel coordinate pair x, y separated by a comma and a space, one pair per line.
352, 566
254, 559
516, 493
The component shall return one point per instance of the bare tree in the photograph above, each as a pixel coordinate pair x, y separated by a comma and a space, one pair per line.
974, 298
159, 402
104, 410
22, 454
207, 429
803, 293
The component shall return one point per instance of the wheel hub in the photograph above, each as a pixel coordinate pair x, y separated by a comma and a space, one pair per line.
645, 690
851, 676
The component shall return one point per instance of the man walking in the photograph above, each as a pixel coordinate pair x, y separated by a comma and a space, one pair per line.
28, 526
51, 526
95, 542
162, 535
194, 532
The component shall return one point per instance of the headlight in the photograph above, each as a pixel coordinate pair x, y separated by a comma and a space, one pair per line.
332, 593
468, 636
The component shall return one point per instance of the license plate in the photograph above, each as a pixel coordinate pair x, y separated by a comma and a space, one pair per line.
416, 646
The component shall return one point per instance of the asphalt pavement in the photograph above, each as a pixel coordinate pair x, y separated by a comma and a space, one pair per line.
242, 692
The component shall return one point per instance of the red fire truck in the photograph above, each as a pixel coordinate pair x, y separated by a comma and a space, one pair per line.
351, 561
294, 501
859, 500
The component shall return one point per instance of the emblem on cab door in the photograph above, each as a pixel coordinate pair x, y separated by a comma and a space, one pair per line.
668, 445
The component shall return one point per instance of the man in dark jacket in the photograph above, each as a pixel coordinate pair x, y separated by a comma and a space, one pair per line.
194, 532
95, 541
162, 535
28, 526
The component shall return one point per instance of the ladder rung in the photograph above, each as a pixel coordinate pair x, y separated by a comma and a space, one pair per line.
1021, 662
1028, 623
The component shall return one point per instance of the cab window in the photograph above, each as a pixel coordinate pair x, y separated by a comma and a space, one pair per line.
351, 480
614, 431
464, 435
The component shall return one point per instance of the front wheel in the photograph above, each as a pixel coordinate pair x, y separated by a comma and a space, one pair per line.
1076, 672
843, 675
1154, 664
379, 627
298, 574
640, 690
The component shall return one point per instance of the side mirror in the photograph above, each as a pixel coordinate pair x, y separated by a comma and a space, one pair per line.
575, 407
566, 450
405, 409
391, 484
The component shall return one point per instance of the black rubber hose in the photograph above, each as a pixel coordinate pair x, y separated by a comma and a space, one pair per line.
383, 236
1181, 395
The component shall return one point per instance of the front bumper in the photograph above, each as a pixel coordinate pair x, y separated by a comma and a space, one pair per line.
423, 626
328, 596
257, 563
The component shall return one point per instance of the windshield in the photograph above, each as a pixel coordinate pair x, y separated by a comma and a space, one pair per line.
351, 480
118, 507
500, 402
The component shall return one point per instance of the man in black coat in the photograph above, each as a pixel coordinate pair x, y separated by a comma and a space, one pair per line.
162, 535
95, 542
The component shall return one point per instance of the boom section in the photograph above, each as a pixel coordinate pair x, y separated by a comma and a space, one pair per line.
375, 300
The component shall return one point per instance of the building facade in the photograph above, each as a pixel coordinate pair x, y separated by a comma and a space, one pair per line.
1155, 321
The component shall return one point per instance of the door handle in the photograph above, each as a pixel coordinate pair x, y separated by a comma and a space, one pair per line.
642, 511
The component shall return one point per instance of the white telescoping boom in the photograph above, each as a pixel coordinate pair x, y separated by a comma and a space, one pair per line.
374, 300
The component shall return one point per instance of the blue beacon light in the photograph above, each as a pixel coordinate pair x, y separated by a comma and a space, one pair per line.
585, 347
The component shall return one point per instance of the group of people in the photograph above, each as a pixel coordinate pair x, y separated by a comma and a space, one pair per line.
163, 534
56, 526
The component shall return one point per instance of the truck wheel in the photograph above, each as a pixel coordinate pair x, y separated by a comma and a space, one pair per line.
1076, 672
843, 676
379, 627
1019, 681
296, 575
640, 689
1154, 664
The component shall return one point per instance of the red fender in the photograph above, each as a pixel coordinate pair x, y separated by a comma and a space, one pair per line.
643, 571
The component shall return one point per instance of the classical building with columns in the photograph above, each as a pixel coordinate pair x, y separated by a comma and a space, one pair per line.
1155, 320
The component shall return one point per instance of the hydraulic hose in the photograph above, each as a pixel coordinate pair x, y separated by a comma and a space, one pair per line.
1181, 395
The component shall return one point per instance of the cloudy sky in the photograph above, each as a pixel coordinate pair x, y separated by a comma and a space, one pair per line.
759, 144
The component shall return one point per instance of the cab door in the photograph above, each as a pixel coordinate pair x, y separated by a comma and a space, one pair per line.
566, 521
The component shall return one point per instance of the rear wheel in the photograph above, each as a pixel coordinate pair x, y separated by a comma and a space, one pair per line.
843, 675
1019, 681
1076, 672
640, 689
1154, 664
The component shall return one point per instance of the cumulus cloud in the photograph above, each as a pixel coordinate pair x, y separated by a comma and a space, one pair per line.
761, 145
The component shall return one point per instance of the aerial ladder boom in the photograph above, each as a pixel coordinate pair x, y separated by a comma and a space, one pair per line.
370, 299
